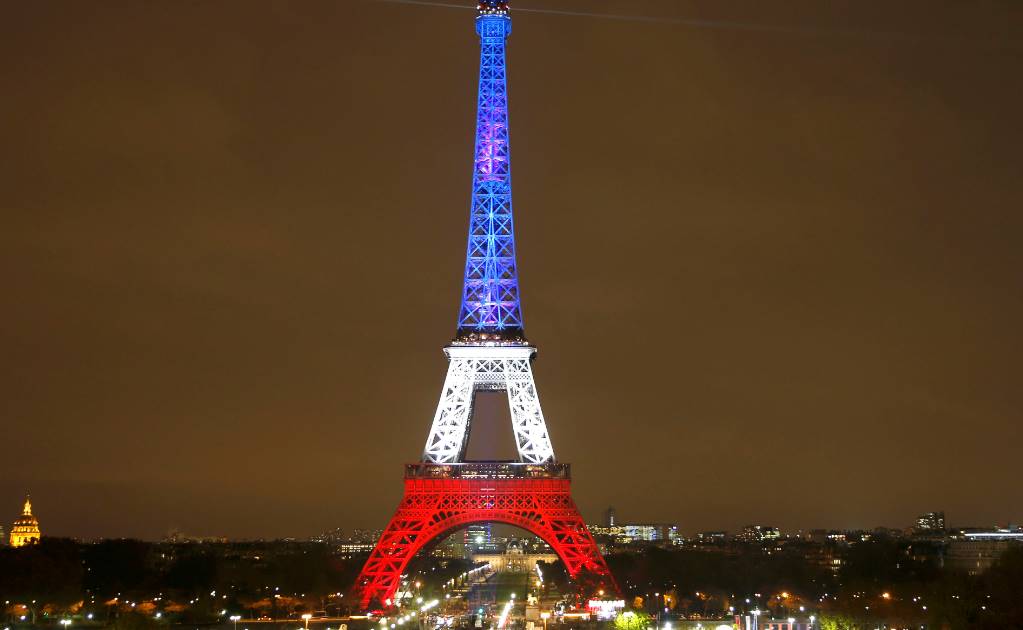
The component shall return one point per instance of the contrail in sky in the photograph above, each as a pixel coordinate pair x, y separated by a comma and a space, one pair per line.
722, 25
607, 16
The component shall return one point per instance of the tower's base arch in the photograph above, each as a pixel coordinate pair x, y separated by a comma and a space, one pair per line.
440, 498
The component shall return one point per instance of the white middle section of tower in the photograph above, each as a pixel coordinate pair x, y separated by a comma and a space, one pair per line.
473, 368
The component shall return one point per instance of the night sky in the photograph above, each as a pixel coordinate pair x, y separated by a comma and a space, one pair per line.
772, 260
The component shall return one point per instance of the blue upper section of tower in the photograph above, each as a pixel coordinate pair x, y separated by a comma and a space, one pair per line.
490, 309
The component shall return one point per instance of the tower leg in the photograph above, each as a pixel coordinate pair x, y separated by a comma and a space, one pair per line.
531, 438
449, 432
488, 368
433, 508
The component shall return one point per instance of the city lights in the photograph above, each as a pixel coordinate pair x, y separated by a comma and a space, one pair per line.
504, 615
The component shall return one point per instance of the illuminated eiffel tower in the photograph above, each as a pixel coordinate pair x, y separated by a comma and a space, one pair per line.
443, 492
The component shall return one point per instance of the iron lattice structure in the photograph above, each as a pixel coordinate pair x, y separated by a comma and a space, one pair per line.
490, 295
434, 507
473, 368
445, 493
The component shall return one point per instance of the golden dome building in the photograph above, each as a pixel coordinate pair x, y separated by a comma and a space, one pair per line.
25, 530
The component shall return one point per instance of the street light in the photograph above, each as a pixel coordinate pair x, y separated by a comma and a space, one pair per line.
306, 617
235, 619
65, 622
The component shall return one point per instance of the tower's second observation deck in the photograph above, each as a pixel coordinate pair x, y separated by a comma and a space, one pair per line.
487, 470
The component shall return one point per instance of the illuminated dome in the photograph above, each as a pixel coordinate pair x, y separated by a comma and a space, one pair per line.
25, 530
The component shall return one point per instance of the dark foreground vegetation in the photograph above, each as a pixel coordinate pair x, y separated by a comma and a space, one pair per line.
191, 583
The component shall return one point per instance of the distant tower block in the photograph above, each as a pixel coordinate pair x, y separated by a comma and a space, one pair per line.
443, 492
25, 530
609, 517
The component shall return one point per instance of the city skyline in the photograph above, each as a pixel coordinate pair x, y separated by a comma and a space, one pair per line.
233, 260
371, 531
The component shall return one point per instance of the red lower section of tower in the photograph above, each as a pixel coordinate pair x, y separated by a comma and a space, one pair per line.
442, 498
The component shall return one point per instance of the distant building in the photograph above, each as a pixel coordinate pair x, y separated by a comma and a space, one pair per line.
712, 537
361, 541
823, 555
331, 537
25, 530
514, 559
365, 535
932, 522
479, 538
888, 532
350, 548
836, 537
451, 547
975, 551
609, 517
177, 537
636, 534
607, 532
758, 533
1001, 533
650, 533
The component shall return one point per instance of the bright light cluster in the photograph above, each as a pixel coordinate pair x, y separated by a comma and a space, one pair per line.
605, 609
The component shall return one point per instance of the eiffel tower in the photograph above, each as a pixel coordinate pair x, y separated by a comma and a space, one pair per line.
444, 492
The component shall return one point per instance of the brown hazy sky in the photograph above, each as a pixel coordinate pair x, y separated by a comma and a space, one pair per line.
774, 274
